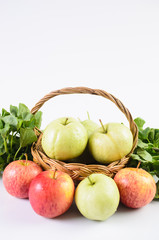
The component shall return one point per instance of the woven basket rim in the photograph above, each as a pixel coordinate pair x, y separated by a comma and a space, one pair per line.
79, 171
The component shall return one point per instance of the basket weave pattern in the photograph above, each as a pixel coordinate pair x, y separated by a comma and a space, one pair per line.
79, 171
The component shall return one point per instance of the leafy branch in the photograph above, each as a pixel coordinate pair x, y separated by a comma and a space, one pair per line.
147, 150
17, 133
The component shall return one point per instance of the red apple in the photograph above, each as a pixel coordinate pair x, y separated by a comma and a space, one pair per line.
18, 175
51, 193
136, 186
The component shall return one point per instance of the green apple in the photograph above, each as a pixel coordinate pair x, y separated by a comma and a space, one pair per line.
111, 142
86, 157
64, 138
90, 125
97, 197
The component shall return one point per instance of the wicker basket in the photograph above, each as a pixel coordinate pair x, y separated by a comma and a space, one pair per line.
79, 171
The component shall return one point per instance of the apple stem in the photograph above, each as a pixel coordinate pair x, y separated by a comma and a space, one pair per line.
26, 158
54, 173
138, 164
88, 115
66, 121
102, 126
79, 119
90, 180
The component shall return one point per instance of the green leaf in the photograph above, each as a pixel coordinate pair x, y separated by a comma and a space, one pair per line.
151, 135
27, 117
156, 144
156, 138
11, 120
155, 149
14, 110
23, 111
156, 166
145, 133
135, 157
27, 136
2, 148
19, 124
1, 124
29, 124
35, 120
38, 119
5, 112
154, 158
141, 144
139, 122
144, 155
4, 131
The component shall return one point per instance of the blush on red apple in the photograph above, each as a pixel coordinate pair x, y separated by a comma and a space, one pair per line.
51, 193
18, 175
136, 186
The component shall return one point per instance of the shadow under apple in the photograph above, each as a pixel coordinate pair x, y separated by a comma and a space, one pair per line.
71, 213
85, 158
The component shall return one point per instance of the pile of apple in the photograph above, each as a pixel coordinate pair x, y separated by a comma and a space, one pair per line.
97, 197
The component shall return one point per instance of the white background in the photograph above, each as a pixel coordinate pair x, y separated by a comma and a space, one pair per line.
110, 45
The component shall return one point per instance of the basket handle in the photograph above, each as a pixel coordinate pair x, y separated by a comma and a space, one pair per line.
99, 92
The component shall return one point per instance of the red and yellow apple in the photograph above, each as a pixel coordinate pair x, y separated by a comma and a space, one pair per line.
136, 186
51, 193
18, 175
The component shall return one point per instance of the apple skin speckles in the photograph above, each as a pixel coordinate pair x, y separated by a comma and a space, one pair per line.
18, 175
136, 186
51, 193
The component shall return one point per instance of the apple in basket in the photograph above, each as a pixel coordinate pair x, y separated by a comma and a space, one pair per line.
86, 157
64, 138
89, 125
97, 197
51, 193
110, 142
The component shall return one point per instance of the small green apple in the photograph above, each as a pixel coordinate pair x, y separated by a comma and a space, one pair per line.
97, 197
110, 143
86, 157
64, 138
90, 125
